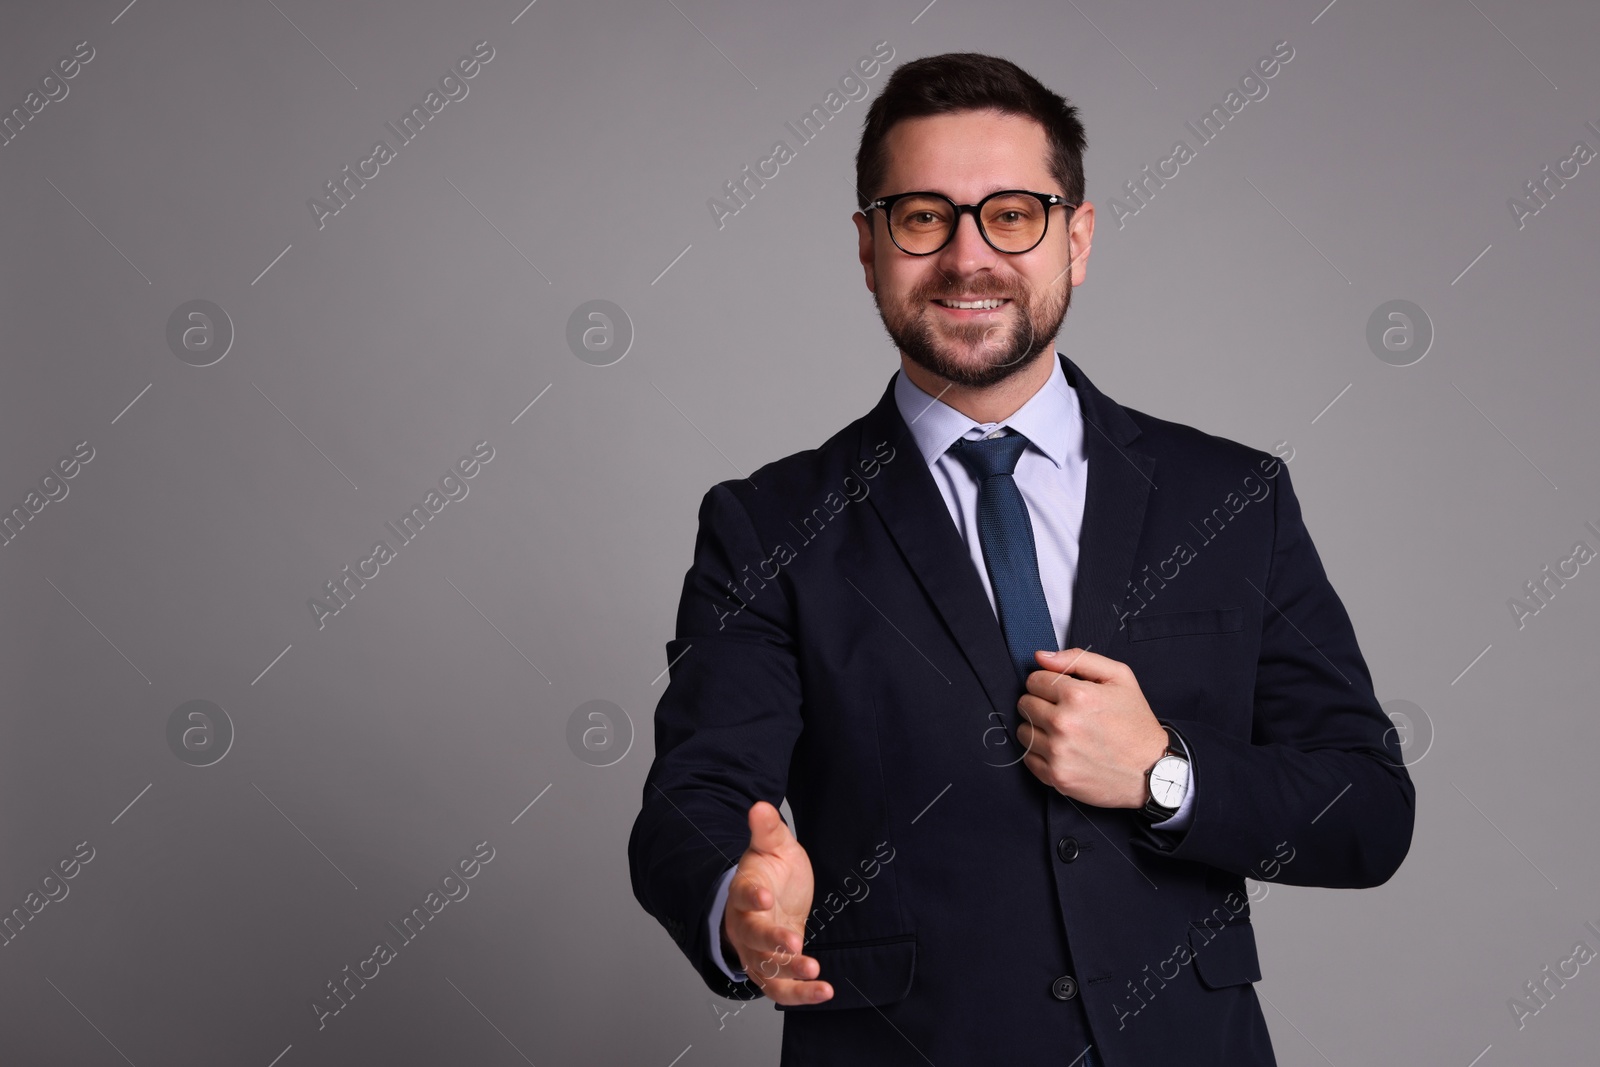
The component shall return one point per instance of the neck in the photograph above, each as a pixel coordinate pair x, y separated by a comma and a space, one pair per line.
993, 403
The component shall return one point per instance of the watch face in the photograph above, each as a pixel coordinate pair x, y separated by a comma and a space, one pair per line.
1169, 781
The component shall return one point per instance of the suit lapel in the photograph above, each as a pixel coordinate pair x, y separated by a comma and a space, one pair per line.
1120, 480
908, 501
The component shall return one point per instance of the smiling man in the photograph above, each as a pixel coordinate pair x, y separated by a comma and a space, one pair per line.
1024, 804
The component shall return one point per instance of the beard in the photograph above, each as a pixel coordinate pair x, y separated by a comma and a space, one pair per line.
980, 352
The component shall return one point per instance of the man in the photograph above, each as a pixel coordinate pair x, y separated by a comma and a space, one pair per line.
1043, 678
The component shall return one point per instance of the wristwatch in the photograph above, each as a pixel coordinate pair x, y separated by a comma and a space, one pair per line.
1167, 781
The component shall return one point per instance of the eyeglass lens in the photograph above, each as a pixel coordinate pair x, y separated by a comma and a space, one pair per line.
1014, 222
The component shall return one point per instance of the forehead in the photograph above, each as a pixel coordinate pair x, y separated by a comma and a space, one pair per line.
967, 154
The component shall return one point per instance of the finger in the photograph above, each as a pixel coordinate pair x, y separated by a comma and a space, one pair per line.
771, 950
1081, 663
1029, 736
1044, 683
768, 831
755, 934
761, 959
1036, 711
1050, 682
788, 991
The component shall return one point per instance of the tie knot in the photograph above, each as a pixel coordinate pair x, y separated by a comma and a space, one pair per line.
989, 456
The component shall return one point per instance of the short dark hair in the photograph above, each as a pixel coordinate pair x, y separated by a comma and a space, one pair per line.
962, 81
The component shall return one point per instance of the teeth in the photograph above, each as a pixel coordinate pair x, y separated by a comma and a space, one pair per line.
972, 304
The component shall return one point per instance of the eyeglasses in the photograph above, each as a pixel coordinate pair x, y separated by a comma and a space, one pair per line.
1012, 221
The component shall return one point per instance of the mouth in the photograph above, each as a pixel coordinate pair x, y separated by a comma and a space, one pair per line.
971, 309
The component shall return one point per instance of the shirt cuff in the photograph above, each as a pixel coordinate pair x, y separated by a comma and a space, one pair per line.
1180, 819
719, 905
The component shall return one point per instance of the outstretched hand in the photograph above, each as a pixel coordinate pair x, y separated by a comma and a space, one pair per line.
769, 898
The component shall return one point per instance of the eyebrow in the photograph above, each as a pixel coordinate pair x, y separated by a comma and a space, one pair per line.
991, 189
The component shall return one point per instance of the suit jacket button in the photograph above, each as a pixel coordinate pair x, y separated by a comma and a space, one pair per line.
1065, 987
1067, 849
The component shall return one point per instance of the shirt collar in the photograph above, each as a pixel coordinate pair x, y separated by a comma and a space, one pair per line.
1050, 420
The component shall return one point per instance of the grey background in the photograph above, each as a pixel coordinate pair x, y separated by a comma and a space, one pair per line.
428, 314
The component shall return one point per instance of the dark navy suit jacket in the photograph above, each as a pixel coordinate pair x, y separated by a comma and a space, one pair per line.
834, 646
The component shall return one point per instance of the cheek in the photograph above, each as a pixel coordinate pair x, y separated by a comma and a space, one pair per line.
1046, 284
1047, 265
900, 282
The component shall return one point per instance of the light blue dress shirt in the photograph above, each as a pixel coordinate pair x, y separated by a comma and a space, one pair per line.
1052, 474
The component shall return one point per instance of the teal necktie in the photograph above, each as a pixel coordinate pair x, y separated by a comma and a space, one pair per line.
1006, 535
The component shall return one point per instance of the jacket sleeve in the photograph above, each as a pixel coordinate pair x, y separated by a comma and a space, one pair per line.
1322, 772
725, 729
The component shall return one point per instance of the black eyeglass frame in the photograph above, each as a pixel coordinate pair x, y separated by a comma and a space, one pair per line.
885, 204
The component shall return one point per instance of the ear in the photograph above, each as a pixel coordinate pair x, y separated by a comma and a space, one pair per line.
1082, 231
866, 247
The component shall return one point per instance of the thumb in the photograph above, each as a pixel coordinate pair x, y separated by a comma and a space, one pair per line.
768, 831
1080, 663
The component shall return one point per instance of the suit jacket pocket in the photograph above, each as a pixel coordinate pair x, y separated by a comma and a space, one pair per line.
1178, 623
862, 973
1224, 954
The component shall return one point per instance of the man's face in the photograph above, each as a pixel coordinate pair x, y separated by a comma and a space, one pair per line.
967, 155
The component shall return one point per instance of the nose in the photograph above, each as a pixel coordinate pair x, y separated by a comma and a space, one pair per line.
967, 251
